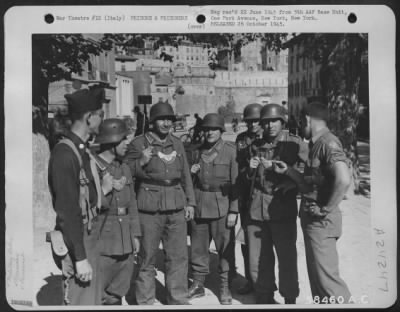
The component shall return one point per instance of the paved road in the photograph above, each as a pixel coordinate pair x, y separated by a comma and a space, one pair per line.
353, 247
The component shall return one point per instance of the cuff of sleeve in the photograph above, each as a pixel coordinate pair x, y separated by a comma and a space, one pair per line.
79, 254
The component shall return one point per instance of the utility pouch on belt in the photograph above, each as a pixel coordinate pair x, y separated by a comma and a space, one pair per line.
57, 243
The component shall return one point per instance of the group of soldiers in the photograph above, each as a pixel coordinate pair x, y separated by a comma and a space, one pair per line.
116, 206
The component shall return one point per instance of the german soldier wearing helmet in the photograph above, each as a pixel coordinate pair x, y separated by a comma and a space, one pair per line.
119, 218
165, 196
273, 208
251, 116
215, 174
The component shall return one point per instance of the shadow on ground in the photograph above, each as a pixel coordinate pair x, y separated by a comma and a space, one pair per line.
51, 293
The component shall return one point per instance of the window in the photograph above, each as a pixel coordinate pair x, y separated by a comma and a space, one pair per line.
304, 62
296, 91
269, 60
297, 63
310, 82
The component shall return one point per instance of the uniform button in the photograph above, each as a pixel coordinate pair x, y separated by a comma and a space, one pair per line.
120, 220
166, 170
81, 146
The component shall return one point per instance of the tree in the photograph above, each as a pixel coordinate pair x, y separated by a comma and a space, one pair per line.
54, 58
343, 60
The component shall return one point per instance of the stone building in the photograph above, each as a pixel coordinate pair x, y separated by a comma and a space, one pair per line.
98, 70
303, 76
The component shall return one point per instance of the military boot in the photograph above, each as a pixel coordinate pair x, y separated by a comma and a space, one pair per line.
290, 300
225, 294
196, 290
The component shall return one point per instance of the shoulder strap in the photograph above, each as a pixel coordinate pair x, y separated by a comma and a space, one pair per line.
96, 177
73, 147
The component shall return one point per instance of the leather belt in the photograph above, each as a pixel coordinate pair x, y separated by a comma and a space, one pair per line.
212, 188
170, 182
120, 211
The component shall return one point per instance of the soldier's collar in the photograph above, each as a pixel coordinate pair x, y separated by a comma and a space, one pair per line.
154, 139
78, 142
319, 134
216, 147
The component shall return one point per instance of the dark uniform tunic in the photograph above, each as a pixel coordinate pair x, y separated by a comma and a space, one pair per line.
120, 225
273, 214
243, 143
164, 189
321, 234
216, 196
64, 169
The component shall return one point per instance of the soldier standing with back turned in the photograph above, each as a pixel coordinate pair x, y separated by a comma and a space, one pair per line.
165, 202
273, 209
251, 115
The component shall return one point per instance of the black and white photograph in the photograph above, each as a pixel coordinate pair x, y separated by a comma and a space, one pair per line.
201, 169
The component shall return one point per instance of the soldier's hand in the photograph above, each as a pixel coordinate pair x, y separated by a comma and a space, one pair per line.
84, 271
231, 220
136, 241
254, 162
119, 184
107, 183
195, 168
266, 163
280, 166
189, 213
316, 211
146, 155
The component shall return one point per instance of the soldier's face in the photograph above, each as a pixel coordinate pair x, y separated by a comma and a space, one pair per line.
212, 135
272, 127
253, 125
163, 126
122, 147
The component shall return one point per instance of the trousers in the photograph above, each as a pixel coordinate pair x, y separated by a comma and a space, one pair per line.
203, 230
169, 228
320, 237
115, 275
75, 291
263, 236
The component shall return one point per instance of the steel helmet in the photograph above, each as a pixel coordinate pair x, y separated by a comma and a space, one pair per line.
112, 130
161, 109
252, 111
273, 111
213, 120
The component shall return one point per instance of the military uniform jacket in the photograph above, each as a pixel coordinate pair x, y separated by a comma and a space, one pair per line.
267, 203
215, 182
119, 231
169, 163
325, 151
64, 184
243, 144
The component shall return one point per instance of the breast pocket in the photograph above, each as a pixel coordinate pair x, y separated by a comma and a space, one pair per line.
148, 198
221, 169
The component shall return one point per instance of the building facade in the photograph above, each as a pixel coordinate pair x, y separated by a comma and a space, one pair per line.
98, 70
303, 76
